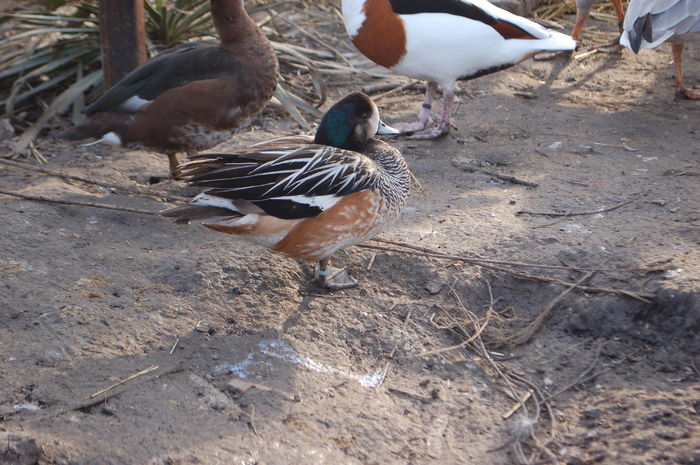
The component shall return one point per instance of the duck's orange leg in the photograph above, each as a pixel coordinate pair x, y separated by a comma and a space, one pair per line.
681, 90
174, 165
333, 278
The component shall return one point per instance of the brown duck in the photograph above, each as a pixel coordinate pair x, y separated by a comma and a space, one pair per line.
190, 97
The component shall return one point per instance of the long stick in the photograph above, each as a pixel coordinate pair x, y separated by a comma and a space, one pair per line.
26, 166
526, 333
641, 296
525, 212
125, 380
37, 198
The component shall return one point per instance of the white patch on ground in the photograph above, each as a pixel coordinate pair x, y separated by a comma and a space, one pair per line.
282, 350
31, 406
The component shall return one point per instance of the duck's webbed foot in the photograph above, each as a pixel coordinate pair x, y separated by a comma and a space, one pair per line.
333, 278
689, 94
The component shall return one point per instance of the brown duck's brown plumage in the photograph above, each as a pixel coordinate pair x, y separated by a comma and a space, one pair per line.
192, 96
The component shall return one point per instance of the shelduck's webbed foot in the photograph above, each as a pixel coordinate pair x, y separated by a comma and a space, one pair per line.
408, 128
432, 133
331, 278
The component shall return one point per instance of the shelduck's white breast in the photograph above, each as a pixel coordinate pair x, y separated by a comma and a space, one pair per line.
442, 47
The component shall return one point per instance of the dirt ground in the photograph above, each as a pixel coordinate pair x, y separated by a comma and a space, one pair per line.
246, 362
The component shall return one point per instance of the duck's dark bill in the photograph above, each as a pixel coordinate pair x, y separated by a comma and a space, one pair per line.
386, 129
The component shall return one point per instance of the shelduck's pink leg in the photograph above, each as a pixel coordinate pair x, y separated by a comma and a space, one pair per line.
444, 126
681, 90
425, 115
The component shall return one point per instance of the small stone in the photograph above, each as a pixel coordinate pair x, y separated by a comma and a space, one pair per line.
613, 349
672, 435
48, 359
202, 327
433, 287
592, 413
659, 202
218, 405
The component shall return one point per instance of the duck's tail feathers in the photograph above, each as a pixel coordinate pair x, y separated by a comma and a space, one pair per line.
200, 214
102, 126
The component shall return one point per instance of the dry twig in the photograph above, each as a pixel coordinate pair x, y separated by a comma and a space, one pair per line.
594, 212
418, 251
26, 166
125, 380
525, 334
37, 198
502, 177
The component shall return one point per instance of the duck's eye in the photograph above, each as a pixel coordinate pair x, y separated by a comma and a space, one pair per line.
365, 116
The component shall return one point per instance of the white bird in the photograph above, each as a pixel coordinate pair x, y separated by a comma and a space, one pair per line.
443, 41
648, 23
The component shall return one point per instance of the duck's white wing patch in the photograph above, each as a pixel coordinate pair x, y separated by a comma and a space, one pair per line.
111, 138
133, 104
324, 202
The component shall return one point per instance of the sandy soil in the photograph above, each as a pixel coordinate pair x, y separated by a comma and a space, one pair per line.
249, 363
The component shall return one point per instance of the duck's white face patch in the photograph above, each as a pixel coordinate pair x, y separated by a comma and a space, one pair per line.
373, 122
353, 16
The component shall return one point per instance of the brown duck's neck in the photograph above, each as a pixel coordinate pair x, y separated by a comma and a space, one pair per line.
231, 20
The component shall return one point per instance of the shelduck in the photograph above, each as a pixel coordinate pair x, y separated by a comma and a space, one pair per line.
190, 97
648, 23
443, 41
303, 197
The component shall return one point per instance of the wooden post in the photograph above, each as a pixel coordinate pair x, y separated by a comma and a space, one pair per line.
122, 37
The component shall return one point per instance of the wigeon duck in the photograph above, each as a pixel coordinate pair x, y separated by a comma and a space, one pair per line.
443, 41
190, 97
303, 197
648, 23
